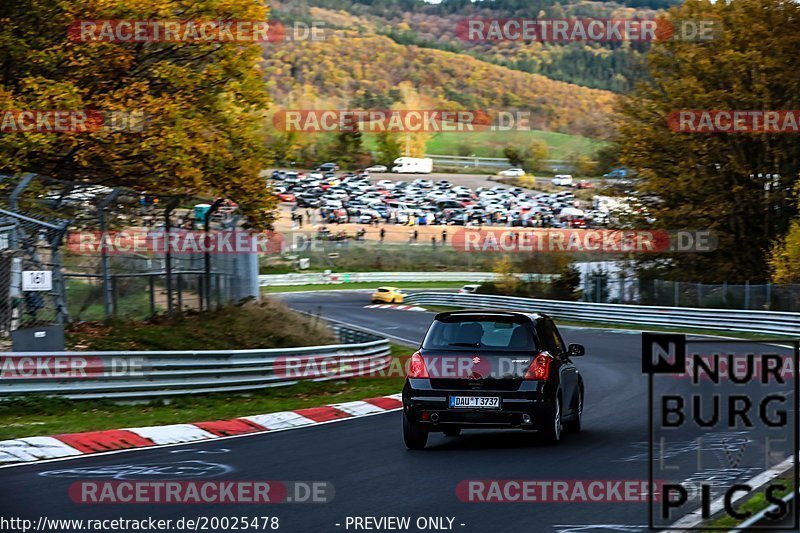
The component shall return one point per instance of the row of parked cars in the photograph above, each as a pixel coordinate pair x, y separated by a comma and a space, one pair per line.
353, 197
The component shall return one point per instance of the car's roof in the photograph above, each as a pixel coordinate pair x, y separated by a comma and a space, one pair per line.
485, 312
388, 287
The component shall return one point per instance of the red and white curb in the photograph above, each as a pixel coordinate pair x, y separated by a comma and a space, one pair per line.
31, 449
395, 306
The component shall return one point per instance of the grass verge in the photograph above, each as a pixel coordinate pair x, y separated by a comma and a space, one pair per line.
754, 504
230, 328
37, 415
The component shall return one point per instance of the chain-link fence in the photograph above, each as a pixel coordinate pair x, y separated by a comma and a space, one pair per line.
604, 287
31, 279
73, 252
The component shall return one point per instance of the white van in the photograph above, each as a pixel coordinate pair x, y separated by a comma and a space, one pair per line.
413, 165
562, 180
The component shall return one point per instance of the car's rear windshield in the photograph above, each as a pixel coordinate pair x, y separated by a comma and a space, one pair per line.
480, 332
383, 290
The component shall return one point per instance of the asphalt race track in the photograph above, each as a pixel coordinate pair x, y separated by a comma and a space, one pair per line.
374, 475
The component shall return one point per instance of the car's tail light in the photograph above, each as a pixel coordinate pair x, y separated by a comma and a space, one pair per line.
416, 369
539, 368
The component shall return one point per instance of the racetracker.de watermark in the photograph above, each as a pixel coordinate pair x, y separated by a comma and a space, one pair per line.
76, 121
467, 366
582, 241
552, 491
734, 121
400, 120
200, 492
24, 366
193, 31
127, 242
585, 29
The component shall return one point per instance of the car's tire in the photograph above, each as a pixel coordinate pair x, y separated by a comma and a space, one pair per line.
452, 432
415, 437
551, 433
574, 425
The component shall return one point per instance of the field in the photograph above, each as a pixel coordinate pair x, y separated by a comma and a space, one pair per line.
491, 143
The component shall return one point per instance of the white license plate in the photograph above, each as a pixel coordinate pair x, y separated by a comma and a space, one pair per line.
474, 402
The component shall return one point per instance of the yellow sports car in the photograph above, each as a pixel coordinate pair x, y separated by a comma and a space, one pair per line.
388, 295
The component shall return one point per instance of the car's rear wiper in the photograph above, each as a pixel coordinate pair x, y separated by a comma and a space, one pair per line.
466, 344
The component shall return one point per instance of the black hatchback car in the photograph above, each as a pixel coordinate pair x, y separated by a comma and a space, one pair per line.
492, 369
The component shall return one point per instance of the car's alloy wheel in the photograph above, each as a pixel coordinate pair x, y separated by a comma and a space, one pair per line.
415, 437
552, 431
574, 425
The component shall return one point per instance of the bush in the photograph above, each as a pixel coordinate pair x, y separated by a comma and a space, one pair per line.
248, 325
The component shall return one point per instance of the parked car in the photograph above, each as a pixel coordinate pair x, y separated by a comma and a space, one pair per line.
512, 173
377, 168
562, 180
492, 369
327, 167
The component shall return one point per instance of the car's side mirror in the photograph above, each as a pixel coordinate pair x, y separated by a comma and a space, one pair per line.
576, 350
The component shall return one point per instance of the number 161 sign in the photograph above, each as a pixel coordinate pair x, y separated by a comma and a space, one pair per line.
37, 280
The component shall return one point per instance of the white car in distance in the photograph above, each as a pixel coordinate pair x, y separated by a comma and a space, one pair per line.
562, 180
512, 173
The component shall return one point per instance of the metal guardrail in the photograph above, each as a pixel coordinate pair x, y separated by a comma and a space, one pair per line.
172, 373
319, 278
767, 322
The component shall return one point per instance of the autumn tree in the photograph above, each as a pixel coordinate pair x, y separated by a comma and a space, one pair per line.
203, 102
389, 147
785, 256
741, 186
536, 154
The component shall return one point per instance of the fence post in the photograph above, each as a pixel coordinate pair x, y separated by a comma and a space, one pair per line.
201, 288
151, 281
167, 250
180, 293
207, 255
107, 289
677, 287
747, 294
114, 296
769, 295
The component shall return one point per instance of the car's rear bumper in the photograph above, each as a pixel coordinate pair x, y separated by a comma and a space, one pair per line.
523, 409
